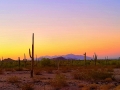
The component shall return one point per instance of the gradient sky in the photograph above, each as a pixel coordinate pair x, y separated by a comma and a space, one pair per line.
60, 27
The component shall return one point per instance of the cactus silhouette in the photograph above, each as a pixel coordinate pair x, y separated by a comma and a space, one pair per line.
19, 62
85, 57
95, 58
25, 60
32, 56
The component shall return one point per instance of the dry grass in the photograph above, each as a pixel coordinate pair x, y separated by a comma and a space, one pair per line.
13, 79
28, 86
59, 81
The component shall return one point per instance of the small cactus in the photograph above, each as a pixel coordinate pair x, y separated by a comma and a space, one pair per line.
58, 64
85, 57
32, 56
25, 60
95, 58
19, 62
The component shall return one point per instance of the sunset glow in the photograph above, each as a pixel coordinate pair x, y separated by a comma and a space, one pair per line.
60, 27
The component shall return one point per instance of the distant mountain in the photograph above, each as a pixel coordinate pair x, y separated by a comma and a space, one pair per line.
8, 60
68, 56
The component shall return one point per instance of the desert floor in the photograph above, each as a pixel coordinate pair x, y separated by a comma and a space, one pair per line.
16, 80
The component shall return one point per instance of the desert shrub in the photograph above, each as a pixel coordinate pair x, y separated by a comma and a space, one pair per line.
91, 75
19, 69
107, 87
78, 75
45, 62
100, 75
117, 88
90, 87
9, 69
49, 69
65, 69
108, 80
13, 79
28, 86
59, 81
37, 72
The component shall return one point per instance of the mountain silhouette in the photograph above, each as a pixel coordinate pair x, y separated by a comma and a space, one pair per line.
68, 56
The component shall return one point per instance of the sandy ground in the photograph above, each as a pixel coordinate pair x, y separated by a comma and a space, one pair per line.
41, 82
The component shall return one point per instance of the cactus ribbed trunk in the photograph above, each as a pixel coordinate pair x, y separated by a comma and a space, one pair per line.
32, 57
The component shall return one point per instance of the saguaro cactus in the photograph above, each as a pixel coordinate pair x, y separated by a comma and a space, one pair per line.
95, 58
58, 64
19, 62
32, 56
25, 60
85, 57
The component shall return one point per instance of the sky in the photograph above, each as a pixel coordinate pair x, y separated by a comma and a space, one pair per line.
60, 27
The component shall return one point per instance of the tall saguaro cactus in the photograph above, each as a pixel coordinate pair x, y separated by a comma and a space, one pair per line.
32, 56
85, 57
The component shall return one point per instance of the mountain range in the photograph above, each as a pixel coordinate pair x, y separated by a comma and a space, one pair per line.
68, 56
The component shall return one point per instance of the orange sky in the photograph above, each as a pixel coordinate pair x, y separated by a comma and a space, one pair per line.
60, 27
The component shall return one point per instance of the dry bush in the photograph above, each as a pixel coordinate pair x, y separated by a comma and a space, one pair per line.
100, 75
19, 69
49, 69
78, 75
108, 80
90, 87
65, 70
28, 86
10, 69
117, 88
59, 81
81, 85
107, 87
38, 79
13, 79
91, 75
37, 72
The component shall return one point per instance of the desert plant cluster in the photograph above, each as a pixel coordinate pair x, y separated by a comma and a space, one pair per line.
59, 74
